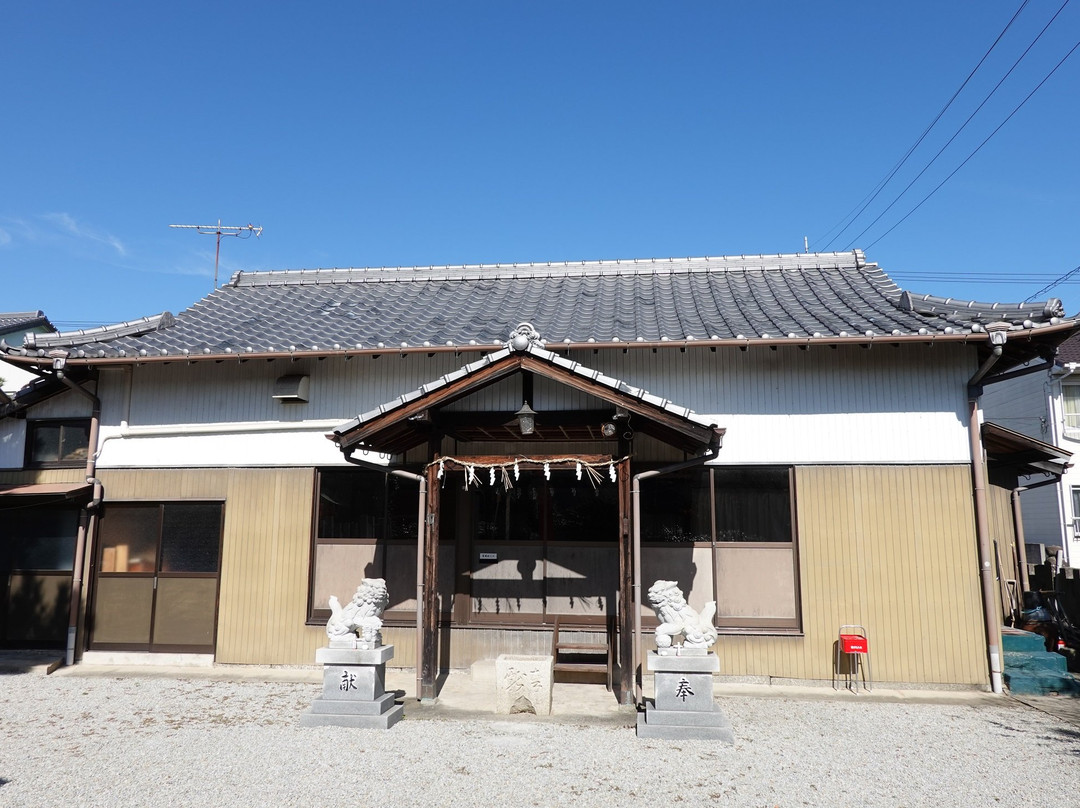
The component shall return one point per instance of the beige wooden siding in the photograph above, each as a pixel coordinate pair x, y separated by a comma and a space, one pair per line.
265, 554
1003, 542
41, 476
892, 549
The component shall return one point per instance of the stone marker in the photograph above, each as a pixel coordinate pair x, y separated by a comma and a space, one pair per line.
523, 683
354, 665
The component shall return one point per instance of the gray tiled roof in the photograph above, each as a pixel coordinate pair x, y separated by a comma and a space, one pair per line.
12, 321
813, 296
1069, 351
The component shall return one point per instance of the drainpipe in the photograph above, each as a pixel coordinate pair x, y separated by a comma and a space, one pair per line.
635, 497
88, 516
991, 618
420, 530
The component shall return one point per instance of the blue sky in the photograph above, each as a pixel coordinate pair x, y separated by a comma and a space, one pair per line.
363, 134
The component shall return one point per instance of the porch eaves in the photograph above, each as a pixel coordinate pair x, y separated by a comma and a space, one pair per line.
509, 359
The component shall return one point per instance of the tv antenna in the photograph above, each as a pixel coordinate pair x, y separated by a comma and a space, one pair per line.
218, 230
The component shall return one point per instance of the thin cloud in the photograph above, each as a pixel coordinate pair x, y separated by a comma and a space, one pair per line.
14, 230
69, 225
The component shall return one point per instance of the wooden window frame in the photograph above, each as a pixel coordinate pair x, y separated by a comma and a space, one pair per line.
33, 423
317, 615
158, 574
778, 626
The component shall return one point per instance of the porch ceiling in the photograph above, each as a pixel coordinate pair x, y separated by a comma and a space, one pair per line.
1026, 455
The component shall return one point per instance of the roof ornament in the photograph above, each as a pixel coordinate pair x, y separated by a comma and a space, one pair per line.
522, 337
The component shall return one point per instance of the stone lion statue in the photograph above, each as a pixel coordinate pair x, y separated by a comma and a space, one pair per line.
677, 617
361, 617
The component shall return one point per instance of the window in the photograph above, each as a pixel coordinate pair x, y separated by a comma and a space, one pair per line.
726, 534
1070, 410
365, 527
57, 443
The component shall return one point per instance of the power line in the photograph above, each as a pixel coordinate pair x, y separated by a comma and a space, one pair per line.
977, 148
962, 126
1063, 279
869, 199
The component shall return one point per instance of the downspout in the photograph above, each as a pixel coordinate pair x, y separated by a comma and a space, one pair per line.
992, 621
420, 530
635, 498
88, 516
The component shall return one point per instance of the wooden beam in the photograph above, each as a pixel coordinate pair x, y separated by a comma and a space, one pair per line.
447, 394
700, 434
429, 662
625, 615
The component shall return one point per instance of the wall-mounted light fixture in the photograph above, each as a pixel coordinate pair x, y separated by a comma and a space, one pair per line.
526, 418
607, 429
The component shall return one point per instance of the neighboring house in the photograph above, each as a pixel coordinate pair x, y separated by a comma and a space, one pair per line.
38, 516
13, 326
1044, 402
512, 445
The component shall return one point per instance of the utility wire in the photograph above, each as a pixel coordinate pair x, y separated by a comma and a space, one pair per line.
1071, 273
962, 127
869, 198
977, 148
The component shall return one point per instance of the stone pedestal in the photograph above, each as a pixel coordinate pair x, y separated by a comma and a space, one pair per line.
684, 708
523, 683
354, 692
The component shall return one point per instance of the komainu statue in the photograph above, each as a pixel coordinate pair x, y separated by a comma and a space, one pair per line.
361, 617
677, 617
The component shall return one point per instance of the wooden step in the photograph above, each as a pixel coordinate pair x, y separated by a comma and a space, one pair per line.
582, 646
582, 667
558, 646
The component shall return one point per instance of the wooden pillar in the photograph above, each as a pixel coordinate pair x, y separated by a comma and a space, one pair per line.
429, 638
626, 587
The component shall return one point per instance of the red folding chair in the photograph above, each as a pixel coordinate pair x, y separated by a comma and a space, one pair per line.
853, 643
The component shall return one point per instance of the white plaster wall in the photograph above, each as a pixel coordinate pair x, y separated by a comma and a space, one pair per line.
304, 447
849, 405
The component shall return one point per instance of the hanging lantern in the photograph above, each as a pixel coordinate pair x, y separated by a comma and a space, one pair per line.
526, 418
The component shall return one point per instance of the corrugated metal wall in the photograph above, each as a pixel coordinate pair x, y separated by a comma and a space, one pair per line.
892, 549
35, 476
265, 554
1003, 540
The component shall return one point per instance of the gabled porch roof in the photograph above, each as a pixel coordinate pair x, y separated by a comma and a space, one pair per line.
407, 421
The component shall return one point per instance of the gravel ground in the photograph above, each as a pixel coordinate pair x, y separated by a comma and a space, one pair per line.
70, 741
